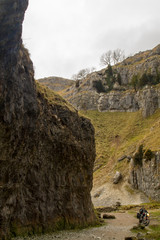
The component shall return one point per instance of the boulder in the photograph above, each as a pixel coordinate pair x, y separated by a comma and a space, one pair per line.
117, 177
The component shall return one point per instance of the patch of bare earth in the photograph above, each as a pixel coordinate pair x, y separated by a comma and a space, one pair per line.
109, 194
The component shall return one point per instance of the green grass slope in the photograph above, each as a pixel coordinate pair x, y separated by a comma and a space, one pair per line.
52, 97
119, 134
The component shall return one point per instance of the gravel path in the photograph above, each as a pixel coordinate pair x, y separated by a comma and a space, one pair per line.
114, 229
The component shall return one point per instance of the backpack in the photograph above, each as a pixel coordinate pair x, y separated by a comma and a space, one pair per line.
138, 215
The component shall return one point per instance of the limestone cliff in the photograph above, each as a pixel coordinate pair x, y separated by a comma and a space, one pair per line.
147, 177
100, 91
47, 151
146, 100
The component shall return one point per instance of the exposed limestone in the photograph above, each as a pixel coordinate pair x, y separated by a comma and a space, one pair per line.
117, 177
147, 61
149, 100
147, 177
93, 92
47, 151
118, 101
85, 101
146, 100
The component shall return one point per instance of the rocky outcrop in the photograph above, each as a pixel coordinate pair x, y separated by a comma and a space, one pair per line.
142, 62
118, 101
117, 177
147, 177
146, 100
149, 100
47, 151
82, 94
85, 101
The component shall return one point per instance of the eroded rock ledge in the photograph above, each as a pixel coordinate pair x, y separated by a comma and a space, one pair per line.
146, 100
47, 151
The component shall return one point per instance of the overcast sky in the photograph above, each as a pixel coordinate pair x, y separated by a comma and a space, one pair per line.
65, 36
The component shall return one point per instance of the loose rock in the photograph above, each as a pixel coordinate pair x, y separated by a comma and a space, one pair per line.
117, 177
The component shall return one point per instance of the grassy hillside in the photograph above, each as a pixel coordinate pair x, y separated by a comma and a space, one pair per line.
119, 134
52, 97
56, 83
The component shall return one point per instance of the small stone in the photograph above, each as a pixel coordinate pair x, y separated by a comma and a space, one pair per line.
117, 177
107, 216
122, 158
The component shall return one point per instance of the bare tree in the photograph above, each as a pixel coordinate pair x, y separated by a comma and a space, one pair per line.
106, 58
82, 73
112, 57
118, 55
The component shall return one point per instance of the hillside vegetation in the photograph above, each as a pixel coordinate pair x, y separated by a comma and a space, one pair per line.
119, 134
56, 83
52, 97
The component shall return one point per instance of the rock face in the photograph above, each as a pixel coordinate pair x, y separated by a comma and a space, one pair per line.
149, 100
85, 101
147, 177
118, 101
146, 100
47, 151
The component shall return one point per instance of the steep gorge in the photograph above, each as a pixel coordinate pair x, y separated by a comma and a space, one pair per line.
47, 151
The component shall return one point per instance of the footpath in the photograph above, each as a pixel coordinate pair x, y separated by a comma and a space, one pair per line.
113, 229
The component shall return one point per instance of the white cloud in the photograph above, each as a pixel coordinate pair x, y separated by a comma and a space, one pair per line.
64, 36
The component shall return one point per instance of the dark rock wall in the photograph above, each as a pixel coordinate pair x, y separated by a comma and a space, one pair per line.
147, 177
47, 151
17, 89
